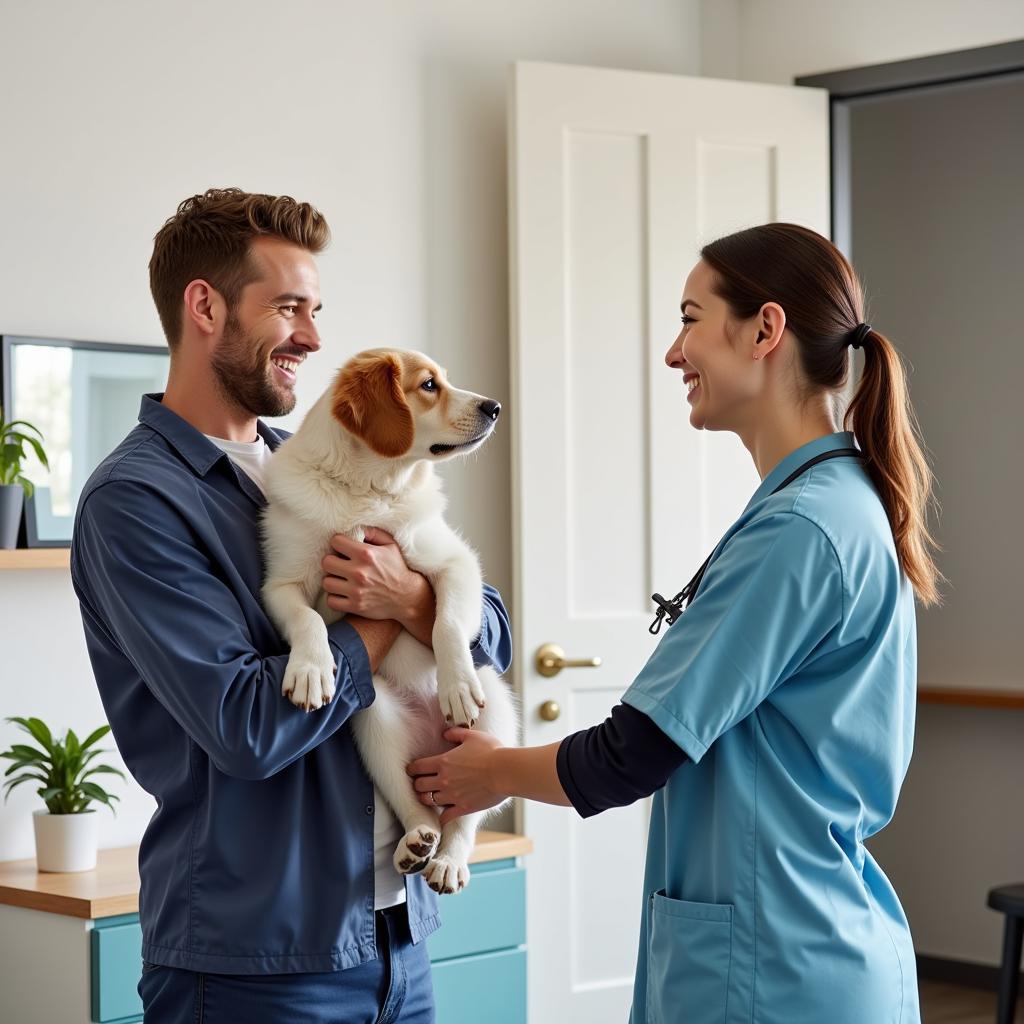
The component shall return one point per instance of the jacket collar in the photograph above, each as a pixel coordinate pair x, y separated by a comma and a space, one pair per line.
191, 444
796, 458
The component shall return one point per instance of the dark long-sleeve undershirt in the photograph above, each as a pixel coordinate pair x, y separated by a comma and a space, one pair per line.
613, 764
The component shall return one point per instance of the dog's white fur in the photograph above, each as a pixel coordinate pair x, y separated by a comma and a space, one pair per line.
358, 460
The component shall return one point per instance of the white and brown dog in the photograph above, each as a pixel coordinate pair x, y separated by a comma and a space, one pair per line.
364, 457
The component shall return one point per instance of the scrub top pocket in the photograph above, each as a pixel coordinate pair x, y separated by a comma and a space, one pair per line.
688, 960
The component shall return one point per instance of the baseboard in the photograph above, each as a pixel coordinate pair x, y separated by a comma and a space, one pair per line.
959, 972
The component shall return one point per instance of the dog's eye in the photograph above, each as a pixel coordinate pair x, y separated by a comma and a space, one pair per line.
429, 384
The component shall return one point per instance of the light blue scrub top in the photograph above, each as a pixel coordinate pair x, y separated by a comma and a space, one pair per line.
790, 682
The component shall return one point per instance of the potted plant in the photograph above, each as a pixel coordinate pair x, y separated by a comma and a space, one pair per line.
14, 486
66, 830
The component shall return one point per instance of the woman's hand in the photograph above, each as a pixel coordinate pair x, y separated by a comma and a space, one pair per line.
461, 781
370, 578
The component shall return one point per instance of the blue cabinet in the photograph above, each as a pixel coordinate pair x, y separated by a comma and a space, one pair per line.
479, 954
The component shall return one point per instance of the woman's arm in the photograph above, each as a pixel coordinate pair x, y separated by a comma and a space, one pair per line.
610, 765
479, 773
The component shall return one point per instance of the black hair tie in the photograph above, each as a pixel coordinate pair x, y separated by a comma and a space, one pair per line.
860, 332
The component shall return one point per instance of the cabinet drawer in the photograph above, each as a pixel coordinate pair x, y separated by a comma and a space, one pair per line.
490, 914
490, 987
116, 968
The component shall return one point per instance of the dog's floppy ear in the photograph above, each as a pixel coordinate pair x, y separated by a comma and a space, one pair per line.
369, 402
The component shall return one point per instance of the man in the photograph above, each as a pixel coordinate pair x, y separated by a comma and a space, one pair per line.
267, 891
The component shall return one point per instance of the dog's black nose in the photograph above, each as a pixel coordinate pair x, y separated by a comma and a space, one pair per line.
490, 408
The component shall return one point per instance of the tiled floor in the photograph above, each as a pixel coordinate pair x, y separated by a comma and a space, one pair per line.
949, 1004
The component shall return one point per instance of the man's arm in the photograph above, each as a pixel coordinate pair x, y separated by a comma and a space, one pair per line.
377, 635
370, 578
149, 594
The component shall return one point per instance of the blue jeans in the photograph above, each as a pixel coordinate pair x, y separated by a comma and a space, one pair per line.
393, 989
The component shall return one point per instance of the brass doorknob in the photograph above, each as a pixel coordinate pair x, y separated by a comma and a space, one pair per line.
551, 659
550, 710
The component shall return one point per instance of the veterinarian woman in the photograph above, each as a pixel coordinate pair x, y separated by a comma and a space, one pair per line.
774, 720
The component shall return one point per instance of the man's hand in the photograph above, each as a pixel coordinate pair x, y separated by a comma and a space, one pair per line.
370, 578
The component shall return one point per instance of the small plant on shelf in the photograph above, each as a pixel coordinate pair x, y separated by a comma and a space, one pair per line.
12, 451
64, 767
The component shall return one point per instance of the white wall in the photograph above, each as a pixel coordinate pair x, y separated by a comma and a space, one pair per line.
779, 40
389, 116
959, 829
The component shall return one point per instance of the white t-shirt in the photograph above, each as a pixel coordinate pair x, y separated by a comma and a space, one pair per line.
252, 458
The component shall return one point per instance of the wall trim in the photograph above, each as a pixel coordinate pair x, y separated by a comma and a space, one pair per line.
846, 87
960, 972
940, 68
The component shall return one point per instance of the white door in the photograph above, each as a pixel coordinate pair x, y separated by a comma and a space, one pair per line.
616, 179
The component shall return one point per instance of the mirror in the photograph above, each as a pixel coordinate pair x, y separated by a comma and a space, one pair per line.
84, 397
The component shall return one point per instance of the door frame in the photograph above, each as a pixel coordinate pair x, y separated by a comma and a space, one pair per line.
879, 80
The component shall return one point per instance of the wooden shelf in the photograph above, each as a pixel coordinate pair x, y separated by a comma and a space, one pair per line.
112, 887
971, 698
35, 558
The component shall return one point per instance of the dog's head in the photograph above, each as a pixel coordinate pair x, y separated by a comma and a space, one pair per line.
400, 404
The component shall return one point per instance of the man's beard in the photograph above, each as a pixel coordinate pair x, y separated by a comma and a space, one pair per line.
244, 375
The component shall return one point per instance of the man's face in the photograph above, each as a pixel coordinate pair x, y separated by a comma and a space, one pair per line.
270, 331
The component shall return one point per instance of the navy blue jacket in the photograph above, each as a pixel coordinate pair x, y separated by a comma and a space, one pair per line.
259, 857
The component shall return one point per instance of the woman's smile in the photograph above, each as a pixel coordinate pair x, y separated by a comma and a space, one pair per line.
691, 381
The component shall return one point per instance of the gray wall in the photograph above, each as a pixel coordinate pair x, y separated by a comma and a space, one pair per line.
937, 223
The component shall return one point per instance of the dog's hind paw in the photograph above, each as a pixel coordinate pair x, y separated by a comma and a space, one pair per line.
445, 875
415, 849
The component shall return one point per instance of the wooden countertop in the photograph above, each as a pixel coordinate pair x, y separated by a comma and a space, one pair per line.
113, 886
971, 698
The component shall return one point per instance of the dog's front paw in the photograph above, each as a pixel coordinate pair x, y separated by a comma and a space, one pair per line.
461, 700
309, 679
446, 875
415, 849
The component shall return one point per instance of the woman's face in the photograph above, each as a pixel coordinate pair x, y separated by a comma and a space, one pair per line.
720, 357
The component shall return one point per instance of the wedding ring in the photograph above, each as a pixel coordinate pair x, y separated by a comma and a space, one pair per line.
433, 799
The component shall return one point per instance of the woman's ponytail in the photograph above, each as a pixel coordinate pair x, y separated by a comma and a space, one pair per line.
824, 303
882, 420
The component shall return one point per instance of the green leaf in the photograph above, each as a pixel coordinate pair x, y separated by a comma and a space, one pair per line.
98, 794
18, 781
95, 791
28, 753
19, 766
40, 453
37, 729
96, 735
104, 769
21, 423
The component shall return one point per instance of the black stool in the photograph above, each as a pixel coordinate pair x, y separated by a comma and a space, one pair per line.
1009, 900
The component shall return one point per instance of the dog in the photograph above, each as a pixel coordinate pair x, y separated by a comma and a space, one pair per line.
364, 456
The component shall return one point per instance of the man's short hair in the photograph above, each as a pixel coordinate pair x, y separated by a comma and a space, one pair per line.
209, 238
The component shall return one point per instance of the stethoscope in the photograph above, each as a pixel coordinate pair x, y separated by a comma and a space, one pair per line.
671, 610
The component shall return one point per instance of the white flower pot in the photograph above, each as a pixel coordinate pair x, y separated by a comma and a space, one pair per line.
65, 842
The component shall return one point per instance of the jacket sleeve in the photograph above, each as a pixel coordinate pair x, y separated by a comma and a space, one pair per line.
493, 645
147, 588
